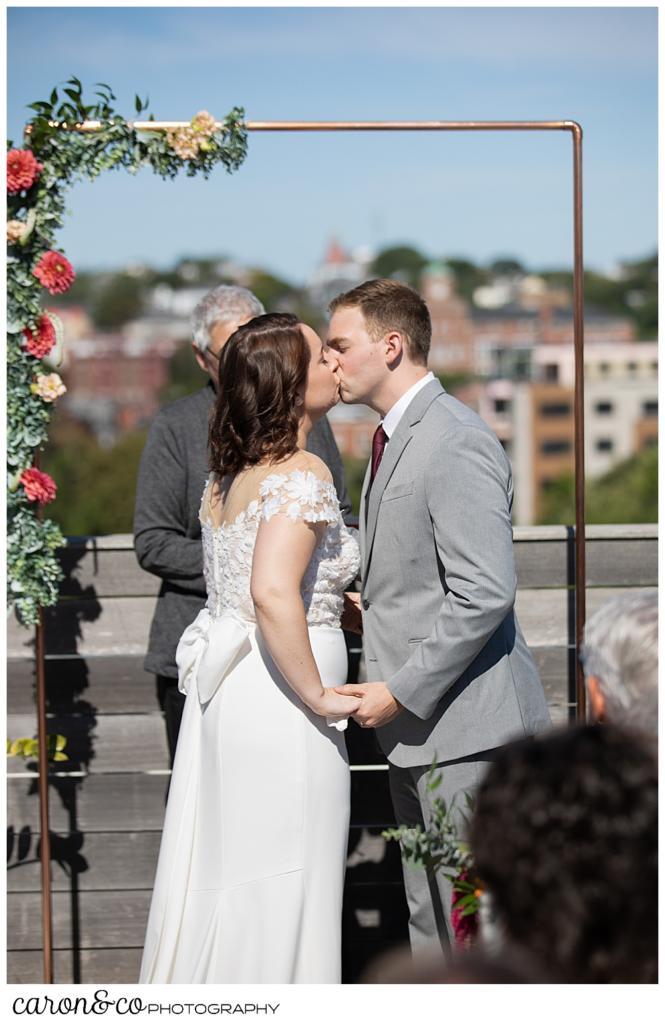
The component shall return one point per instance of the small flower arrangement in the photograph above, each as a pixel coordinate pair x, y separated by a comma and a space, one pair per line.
197, 138
441, 848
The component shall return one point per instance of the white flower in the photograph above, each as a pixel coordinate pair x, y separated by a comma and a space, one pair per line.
48, 387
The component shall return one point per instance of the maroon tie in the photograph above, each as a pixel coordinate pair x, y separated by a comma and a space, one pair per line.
378, 444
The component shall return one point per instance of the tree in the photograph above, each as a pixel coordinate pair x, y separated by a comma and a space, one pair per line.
185, 375
627, 494
401, 262
354, 474
270, 290
506, 266
96, 486
118, 300
467, 275
633, 294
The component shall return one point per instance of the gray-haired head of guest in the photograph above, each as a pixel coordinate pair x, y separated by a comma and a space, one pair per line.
620, 660
228, 303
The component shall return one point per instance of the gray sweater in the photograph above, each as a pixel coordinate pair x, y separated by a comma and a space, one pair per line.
167, 532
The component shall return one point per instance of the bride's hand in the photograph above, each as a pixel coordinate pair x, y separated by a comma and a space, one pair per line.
333, 704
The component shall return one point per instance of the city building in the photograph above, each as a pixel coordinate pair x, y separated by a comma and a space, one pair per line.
534, 419
338, 272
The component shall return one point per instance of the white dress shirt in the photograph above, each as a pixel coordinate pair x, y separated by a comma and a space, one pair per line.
394, 415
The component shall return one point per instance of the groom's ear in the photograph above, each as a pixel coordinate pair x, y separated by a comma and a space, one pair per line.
394, 347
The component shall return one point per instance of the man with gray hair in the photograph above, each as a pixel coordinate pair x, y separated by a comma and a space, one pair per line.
172, 476
620, 660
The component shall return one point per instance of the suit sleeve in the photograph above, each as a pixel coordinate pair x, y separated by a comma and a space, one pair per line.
467, 485
322, 442
161, 514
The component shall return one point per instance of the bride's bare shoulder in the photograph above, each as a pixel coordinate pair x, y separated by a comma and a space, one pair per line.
305, 462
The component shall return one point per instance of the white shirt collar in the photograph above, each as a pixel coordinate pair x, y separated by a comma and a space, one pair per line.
394, 415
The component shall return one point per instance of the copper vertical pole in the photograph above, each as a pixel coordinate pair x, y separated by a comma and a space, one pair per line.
45, 846
578, 338
42, 739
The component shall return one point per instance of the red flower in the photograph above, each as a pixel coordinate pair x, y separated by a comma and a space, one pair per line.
55, 272
38, 486
22, 170
41, 345
465, 927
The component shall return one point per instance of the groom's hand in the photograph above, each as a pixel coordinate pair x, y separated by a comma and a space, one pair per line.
378, 706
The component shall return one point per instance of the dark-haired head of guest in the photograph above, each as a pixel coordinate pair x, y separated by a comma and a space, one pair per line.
275, 381
564, 836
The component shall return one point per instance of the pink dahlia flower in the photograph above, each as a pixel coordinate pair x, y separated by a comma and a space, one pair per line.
38, 486
22, 170
40, 345
55, 272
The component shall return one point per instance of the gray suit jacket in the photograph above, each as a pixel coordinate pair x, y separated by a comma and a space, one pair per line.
439, 588
167, 532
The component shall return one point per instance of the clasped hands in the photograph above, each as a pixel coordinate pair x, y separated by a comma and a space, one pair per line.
377, 704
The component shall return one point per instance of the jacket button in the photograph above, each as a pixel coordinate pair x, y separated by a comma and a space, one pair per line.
365, 603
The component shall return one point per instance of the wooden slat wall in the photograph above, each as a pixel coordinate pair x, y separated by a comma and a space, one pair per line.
107, 804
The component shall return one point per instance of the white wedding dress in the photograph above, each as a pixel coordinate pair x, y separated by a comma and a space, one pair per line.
250, 874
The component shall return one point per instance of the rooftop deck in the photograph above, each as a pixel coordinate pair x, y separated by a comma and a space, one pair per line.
107, 802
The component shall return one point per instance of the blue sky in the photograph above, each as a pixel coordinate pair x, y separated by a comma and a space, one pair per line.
477, 196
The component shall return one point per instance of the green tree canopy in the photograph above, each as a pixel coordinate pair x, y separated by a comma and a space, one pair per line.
627, 494
270, 290
400, 261
96, 486
184, 375
467, 275
506, 266
118, 300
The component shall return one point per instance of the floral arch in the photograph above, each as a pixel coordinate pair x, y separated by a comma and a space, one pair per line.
38, 175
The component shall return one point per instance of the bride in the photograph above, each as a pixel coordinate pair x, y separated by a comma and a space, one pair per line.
251, 866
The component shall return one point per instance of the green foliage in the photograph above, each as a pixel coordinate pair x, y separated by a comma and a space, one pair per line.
633, 294
96, 486
627, 494
185, 375
506, 266
119, 300
33, 570
439, 847
29, 748
269, 290
467, 275
354, 474
400, 261
66, 155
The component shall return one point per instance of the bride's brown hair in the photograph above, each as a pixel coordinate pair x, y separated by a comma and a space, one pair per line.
262, 369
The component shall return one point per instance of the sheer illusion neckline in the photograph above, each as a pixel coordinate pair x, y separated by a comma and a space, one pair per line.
239, 520
296, 491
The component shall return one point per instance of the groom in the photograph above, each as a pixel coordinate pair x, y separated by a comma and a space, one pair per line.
450, 676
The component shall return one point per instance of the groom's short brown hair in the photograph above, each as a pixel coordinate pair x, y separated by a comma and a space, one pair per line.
391, 306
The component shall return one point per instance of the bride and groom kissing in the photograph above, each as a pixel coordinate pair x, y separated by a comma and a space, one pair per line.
250, 875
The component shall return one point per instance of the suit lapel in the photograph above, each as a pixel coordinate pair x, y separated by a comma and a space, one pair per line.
391, 456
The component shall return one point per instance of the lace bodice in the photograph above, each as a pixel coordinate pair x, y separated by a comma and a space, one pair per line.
228, 548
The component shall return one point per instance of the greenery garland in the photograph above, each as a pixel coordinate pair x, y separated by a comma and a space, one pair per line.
38, 174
